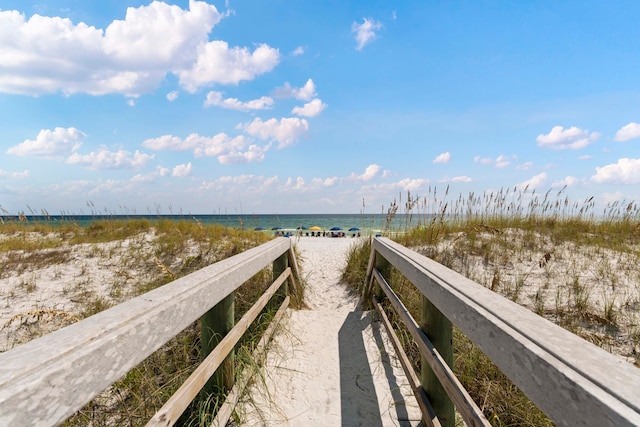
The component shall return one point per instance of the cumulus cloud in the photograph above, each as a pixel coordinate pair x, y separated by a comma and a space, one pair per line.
369, 173
625, 171
525, 166
304, 93
215, 98
628, 132
225, 148
462, 178
534, 182
105, 159
298, 51
286, 130
568, 181
131, 56
217, 63
365, 33
406, 184
499, 162
14, 175
182, 170
59, 142
443, 158
310, 109
572, 138
172, 96
254, 153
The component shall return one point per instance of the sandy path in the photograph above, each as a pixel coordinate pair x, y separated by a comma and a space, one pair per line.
325, 367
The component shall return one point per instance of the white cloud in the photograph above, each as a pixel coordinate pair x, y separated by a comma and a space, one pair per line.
502, 162
131, 102
406, 184
572, 138
627, 132
225, 148
369, 173
182, 170
217, 63
298, 51
310, 109
443, 158
365, 32
254, 153
304, 93
59, 142
172, 96
14, 175
626, 171
567, 181
105, 159
216, 98
462, 178
286, 131
131, 56
585, 157
499, 162
534, 182
525, 166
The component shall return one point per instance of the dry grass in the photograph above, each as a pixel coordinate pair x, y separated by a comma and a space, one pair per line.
556, 257
55, 274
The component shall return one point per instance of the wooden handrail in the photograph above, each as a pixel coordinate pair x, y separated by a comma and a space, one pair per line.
469, 411
573, 381
46, 380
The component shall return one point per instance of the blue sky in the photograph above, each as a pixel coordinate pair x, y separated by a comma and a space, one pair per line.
313, 107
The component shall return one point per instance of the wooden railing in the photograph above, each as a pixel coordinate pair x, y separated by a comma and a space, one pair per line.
46, 380
571, 380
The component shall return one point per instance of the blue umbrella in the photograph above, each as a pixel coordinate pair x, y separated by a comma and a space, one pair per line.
354, 229
276, 228
302, 227
259, 228
335, 228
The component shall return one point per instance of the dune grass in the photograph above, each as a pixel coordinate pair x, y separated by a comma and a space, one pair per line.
559, 258
139, 255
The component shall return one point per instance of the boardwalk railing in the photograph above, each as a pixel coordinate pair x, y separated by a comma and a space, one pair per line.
46, 380
573, 381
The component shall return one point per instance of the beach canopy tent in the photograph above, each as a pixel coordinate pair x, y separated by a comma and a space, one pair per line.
335, 228
354, 229
315, 228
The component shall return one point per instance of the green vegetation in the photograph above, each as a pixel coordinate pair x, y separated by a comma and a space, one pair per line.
135, 256
556, 257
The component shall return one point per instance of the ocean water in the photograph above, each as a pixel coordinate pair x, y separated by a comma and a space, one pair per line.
366, 223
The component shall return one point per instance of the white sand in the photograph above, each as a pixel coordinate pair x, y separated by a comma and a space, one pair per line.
326, 367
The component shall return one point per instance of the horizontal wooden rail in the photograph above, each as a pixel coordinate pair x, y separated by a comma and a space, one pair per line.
175, 406
573, 381
46, 380
465, 405
428, 413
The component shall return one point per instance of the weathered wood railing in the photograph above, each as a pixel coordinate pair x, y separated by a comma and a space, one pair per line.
573, 381
46, 380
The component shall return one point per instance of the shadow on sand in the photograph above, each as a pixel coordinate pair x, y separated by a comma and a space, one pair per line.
359, 401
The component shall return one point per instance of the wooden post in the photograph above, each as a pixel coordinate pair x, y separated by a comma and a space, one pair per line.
279, 266
215, 324
384, 267
440, 332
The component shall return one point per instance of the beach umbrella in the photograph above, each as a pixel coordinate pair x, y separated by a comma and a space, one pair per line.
335, 228
259, 228
315, 228
354, 229
276, 228
301, 227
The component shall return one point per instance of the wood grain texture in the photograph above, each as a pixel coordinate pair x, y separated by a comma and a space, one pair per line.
46, 380
573, 381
